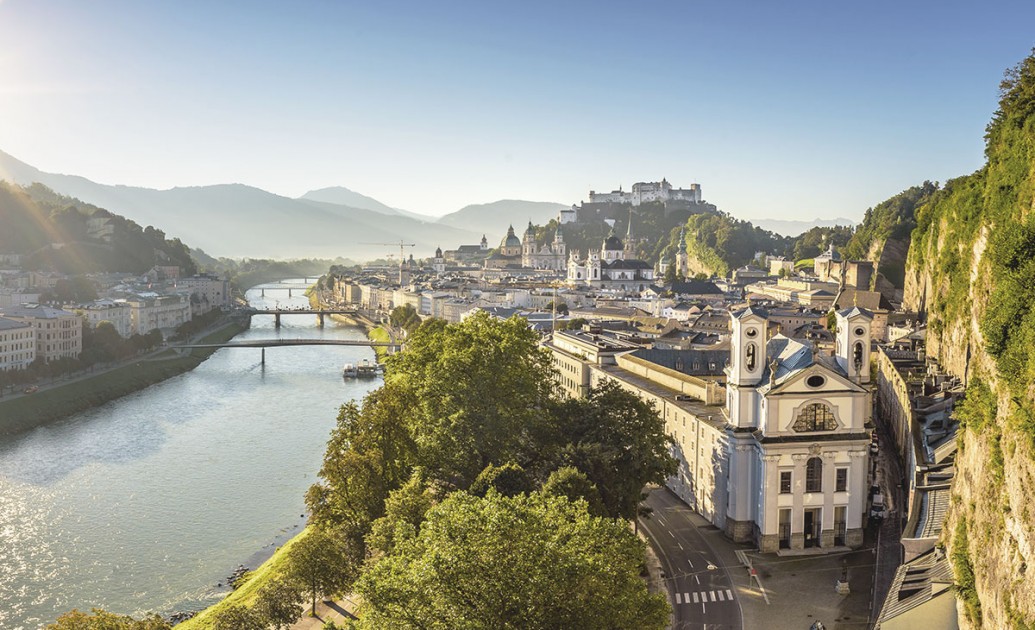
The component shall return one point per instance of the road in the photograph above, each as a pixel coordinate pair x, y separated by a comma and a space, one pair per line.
702, 593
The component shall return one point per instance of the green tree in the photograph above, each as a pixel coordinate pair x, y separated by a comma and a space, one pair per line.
530, 561
509, 480
277, 602
619, 442
405, 509
573, 484
405, 317
238, 617
370, 453
321, 564
465, 415
98, 619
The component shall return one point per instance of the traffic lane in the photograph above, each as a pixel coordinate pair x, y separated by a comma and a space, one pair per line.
703, 597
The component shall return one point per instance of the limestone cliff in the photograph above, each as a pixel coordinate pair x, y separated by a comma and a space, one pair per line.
971, 271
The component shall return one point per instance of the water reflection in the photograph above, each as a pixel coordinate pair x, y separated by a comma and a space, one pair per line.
146, 503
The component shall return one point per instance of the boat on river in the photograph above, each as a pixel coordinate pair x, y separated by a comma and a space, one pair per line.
363, 369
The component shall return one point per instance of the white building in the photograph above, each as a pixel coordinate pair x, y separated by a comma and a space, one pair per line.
59, 333
118, 312
784, 461
646, 192
17, 344
610, 269
553, 256
211, 291
149, 311
799, 435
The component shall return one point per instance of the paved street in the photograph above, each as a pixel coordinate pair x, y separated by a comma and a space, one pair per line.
701, 591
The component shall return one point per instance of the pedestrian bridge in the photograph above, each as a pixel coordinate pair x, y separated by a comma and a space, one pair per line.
277, 343
277, 312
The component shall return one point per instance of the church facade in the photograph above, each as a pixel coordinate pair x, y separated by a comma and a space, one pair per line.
612, 267
798, 435
552, 256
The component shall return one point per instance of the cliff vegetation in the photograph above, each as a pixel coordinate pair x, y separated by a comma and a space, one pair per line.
971, 272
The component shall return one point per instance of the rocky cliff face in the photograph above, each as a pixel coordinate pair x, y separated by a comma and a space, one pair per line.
971, 271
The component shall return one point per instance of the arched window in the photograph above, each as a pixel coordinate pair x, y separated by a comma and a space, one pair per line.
815, 417
857, 356
814, 475
750, 356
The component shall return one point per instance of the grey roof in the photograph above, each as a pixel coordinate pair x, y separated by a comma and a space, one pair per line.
696, 287
855, 311
692, 362
36, 311
10, 324
790, 356
920, 582
751, 310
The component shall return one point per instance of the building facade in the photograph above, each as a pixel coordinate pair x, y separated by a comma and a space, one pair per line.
59, 333
17, 344
552, 256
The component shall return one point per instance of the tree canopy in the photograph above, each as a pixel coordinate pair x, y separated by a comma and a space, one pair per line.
528, 561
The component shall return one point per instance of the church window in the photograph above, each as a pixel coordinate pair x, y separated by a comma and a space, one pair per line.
749, 354
814, 475
857, 355
815, 417
751, 332
841, 480
785, 482
859, 332
815, 381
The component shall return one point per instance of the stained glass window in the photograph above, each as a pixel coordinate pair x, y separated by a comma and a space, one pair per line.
815, 417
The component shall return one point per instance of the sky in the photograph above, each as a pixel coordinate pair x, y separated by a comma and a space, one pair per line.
790, 110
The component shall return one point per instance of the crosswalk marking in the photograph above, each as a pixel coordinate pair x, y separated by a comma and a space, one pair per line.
704, 597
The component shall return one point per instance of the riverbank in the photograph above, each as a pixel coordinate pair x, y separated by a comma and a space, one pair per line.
64, 399
374, 331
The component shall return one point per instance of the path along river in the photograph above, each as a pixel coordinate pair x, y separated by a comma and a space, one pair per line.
146, 503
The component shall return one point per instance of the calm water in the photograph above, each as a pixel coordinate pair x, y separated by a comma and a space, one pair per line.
146, 503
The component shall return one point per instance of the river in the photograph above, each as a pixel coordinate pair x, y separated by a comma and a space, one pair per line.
146, 503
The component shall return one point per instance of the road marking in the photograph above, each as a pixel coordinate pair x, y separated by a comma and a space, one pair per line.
691, 563
721, 598
695, 598
679, 599
697, 579
680, 545
713, 596
729, 594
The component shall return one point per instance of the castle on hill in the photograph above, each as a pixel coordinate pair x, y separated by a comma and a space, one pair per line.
603, 206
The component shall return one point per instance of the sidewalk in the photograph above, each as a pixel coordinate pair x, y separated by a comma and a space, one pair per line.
337, 611
800, 589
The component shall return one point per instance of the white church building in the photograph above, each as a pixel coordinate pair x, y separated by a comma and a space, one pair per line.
780, 455
798, 428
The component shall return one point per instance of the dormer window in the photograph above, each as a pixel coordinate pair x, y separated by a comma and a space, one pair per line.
815, 417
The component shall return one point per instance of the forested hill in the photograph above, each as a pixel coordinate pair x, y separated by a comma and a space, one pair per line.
57, 233
971, 271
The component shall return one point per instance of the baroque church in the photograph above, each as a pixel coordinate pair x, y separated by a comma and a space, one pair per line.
613, 267
799, 434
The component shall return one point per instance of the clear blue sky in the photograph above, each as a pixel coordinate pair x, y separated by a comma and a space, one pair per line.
781, 109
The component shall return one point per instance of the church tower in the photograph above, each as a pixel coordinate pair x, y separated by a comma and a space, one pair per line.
528, 247
438, 263
853, 343
747, 363
560, 253
630, 243
682, 259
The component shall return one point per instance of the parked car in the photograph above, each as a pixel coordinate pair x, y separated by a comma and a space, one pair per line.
877, 506
32, 389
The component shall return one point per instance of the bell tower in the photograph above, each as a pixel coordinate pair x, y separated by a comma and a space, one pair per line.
747, 364
853, 343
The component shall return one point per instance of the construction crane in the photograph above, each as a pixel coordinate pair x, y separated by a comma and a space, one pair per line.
401, 244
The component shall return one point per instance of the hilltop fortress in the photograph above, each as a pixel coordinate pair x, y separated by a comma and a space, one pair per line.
614, 204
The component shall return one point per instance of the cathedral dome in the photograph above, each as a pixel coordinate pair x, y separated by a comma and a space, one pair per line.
511, 240
613, 243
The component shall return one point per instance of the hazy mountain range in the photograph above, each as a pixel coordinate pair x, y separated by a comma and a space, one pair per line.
796, 228
241, 221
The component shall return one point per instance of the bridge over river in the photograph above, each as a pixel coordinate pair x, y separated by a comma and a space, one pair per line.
277, 312
274, 343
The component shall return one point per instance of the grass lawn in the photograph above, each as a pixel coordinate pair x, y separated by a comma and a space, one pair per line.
246, 593
380, 334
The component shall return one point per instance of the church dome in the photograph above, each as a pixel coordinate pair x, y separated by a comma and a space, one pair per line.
613, 243
512, 240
